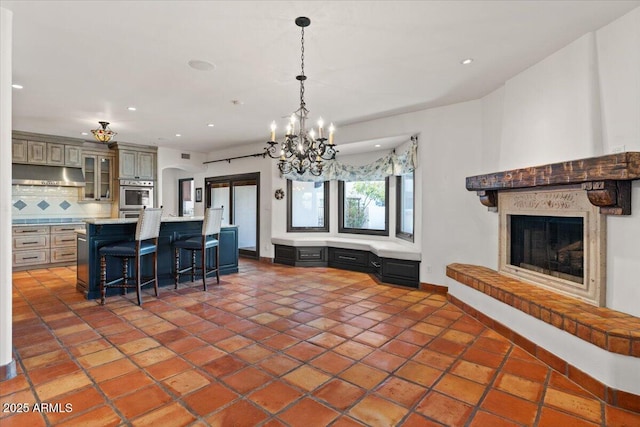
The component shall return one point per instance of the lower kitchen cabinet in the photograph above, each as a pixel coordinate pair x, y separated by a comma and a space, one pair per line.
30, 246
40, 246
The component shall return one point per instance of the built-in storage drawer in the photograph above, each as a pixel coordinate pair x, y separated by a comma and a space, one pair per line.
31, 257
37, 241
65, 228
310, 256
349, 259
28, 230
60, 240
64, 254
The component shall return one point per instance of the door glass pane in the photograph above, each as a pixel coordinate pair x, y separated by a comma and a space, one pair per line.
220, 198
89, 177
188, 197
105, 181
245, 209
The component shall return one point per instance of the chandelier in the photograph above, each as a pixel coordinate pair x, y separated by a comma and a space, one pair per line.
103, 133
302, 150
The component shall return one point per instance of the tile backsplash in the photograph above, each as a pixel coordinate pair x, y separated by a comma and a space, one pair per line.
33, 202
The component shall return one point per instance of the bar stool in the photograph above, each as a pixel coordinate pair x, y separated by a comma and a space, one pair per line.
210, 228
148, 228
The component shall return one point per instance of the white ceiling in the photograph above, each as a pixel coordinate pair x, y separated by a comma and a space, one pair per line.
81, 62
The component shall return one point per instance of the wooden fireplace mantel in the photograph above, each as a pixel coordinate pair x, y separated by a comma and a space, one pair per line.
606, 179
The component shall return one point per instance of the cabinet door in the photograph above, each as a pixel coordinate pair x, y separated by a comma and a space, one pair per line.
55, 154
72, 156
105, 181
127, 164
145, 165
37, 152
18, 151
90, 176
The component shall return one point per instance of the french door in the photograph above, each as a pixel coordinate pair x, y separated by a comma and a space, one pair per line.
239, 196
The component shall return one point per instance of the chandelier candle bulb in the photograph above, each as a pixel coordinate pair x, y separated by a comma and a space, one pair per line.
320, 125
331, 130
273, 131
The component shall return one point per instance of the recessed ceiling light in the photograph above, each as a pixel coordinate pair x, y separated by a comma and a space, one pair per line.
377, 145
16, 86
466, 61
177, 134
210, 125
85, 133
131, 108
199, 65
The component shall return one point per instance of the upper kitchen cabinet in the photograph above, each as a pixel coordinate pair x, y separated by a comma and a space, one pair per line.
135, 161
39, 149
18, 151
73, 156
55, 154
37, 152
97, 167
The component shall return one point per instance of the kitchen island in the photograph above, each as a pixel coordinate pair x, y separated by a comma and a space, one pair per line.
104, 231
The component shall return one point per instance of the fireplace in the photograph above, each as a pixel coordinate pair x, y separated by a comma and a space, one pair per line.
550, 245
554, 238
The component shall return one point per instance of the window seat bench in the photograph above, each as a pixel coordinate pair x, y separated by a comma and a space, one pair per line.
391, 262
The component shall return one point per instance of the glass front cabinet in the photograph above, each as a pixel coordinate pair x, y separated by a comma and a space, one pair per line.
98, 177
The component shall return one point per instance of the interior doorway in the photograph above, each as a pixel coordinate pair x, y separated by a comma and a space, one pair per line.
239, 196
186, 197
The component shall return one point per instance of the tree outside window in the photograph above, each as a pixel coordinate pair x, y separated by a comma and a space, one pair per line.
363, 207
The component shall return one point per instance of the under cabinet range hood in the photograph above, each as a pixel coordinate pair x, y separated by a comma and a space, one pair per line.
57, 176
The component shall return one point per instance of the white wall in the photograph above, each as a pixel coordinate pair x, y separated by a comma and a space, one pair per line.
7, 364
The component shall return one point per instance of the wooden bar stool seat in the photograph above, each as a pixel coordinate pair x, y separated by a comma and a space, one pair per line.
145, 243
209, 238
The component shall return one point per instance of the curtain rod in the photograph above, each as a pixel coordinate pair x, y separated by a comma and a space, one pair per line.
228, 160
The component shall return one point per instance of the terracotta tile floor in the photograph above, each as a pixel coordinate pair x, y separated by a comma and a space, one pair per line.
274, 346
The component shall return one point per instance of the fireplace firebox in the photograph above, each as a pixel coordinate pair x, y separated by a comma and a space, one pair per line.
549, 245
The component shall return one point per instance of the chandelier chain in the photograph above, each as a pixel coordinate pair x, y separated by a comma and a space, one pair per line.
302, 69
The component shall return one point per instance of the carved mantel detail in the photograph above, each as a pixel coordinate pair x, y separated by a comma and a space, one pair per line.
606, 179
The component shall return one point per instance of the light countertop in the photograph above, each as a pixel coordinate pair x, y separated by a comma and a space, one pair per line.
106, 221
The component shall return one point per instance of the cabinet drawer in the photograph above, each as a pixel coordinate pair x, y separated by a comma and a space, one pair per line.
36, 229
71, 228
38, 241
311, 254
61, 240
349, 256
63, 254
30, 257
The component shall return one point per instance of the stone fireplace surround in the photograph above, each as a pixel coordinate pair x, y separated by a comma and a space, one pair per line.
606, 180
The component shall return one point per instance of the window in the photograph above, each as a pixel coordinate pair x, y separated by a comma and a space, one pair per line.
404, 206
307, 206
363, 207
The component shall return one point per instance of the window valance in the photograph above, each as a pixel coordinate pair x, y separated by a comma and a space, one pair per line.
398, 162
